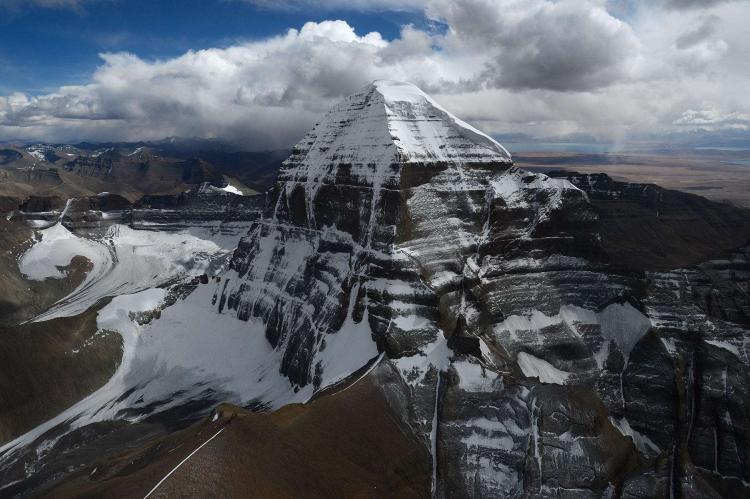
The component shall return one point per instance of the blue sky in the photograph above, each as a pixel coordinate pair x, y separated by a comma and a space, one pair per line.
42, 48
261, 72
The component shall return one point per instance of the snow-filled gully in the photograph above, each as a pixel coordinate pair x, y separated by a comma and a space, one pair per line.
434, 436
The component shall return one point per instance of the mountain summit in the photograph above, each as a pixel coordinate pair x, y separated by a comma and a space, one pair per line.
372, 135
396, 122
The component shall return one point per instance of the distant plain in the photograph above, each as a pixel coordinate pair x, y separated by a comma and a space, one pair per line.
716, 174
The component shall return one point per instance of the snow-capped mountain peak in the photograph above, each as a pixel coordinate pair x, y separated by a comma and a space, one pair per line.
424, 131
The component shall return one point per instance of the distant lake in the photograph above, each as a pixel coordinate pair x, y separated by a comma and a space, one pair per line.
580, 147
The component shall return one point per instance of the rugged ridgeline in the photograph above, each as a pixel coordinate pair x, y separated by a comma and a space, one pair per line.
350, 236
131, 170
514, 334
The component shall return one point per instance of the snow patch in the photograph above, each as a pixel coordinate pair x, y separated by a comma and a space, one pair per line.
624, 324
725, 346
670, 346
475, 378
348, 349
621, 324
515, 186
232, 190
435, 355
534, 367
415, 138
115, 316
56, 248
124, 260
642, 442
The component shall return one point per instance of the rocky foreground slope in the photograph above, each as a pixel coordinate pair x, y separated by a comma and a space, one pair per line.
512, 334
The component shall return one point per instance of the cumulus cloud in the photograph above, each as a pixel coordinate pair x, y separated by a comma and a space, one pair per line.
541, 67
263, 93
558, 45
413, 43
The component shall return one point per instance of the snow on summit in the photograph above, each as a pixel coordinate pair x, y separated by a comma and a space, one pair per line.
424, 130
387, 123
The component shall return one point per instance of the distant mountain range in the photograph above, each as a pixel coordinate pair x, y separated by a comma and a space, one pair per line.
167, 166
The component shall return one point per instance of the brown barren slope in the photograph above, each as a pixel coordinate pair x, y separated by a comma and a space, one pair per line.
49, 366
346, 444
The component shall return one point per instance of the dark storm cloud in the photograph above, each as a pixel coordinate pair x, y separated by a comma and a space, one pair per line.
690, 38
562, 46
695, 4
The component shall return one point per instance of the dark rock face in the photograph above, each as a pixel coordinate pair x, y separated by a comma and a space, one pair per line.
329, 229
204, 205
644, 226
540, 347
37, 204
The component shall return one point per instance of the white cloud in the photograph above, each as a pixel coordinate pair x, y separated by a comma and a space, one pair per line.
265, 92
712, 119
412, 44
540, 67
